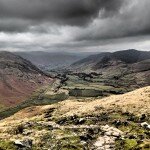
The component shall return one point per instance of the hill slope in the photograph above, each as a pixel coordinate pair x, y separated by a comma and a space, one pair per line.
104, 60
112, 122
129, 68
136, 102
18, 79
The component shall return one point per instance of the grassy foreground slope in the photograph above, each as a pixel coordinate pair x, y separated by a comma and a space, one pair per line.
114, 122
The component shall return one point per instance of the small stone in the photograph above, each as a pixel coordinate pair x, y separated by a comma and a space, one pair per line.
19, 143
105, 127
109, 133
116, 134
81, 121
100, 142
107, 146
25, 143
27, 132
83, 142
145, 125
148, 127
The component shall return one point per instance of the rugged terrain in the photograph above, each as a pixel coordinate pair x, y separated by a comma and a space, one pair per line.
116, 122
18, 79
82, 108
106, 73
129, 69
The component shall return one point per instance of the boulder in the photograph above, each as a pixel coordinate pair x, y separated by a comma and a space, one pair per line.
27, 143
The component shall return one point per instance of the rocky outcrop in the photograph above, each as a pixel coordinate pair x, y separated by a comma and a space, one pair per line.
107, 141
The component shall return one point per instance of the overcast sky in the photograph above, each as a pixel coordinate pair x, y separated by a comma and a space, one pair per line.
74, 25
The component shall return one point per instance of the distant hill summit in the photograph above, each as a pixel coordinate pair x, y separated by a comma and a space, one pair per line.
126, 57
102, 60
18, 79
131, 56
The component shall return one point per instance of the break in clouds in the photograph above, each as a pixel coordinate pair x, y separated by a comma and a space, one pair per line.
74, 25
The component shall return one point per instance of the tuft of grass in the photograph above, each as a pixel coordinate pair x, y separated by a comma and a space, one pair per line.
127, 144
130, 143
7, 145
19, 129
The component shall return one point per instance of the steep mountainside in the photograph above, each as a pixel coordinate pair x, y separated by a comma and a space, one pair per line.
18, 79
51, 60
117, 122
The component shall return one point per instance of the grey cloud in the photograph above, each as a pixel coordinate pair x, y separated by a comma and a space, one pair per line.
63, 12
132, 21
14, 25
74, 24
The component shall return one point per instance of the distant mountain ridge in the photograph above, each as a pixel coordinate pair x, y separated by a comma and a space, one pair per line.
95, 62
51, 60
18, 79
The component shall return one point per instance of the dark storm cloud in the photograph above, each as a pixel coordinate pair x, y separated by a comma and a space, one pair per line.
64, 12
132, 21
74, 24
13, 25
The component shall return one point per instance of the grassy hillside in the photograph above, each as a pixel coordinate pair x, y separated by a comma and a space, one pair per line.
113, 122
42, 96
19, 78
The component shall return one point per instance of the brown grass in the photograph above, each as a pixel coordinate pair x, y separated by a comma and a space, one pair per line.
136, 102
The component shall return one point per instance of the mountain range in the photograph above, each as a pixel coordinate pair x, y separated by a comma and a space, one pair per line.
52, 60
81, 107
19, 77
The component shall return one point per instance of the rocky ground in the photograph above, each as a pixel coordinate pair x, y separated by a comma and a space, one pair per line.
117, 122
